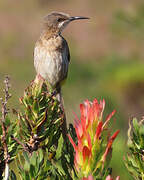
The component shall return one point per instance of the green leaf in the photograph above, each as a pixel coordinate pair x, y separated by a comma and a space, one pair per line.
27, 166
25, 154
26, 176
32, 171
33, 159
131, 168
40, 155
134, 160
35, 108
59, 148
136, 126
12, 175
7, 121
141, 132
58, 165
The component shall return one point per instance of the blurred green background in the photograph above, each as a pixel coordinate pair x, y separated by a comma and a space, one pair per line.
106, 57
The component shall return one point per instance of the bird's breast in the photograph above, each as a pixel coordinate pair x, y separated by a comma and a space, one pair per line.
51, 62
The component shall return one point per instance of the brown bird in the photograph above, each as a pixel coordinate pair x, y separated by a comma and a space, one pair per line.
51, 53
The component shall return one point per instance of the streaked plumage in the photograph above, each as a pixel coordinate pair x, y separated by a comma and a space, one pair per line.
51, 53
51, 59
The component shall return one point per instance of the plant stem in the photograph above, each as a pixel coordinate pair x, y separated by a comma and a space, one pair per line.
4, 111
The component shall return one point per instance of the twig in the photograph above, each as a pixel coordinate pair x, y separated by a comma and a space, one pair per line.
20, 143
4, 111
6, 171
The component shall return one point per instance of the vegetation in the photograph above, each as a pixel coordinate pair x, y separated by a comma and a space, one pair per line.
40, 151
108, 65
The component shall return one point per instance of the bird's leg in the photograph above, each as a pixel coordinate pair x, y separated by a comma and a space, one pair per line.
60, 99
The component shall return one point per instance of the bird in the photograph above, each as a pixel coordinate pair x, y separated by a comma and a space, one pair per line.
51, 51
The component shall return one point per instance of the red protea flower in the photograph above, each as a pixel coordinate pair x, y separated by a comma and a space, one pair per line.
92, 147
88, 178
110, 178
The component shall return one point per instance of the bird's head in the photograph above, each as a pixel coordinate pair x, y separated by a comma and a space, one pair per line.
57, 21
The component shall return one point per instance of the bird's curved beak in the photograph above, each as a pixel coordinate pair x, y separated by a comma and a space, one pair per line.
77, 18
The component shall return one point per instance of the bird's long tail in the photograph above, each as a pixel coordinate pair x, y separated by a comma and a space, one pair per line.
60, 99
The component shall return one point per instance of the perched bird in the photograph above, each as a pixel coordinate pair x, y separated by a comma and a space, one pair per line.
51, 52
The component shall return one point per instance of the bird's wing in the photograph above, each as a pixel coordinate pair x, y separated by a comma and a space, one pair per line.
66, 49
68, 52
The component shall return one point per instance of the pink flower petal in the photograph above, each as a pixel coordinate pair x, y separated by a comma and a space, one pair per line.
88, 178
112, 138
77, 119
109, 177
86, 153
108, 118
89, 141
90, 116
118, 177
72, 142
98, 131
83, 116
78, 129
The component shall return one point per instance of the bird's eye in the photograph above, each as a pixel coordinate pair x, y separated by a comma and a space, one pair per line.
60, 19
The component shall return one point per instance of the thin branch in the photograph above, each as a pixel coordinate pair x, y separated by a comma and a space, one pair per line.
20, 143
4, 111
6, 172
